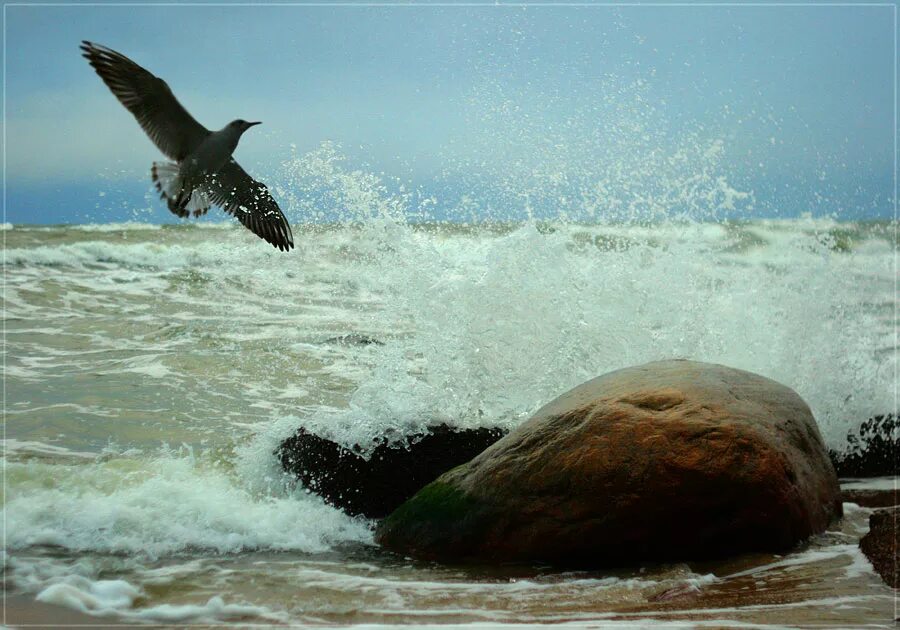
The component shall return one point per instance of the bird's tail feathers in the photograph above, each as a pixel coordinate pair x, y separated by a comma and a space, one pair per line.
168, 182
198, 204
181, 201
165, 176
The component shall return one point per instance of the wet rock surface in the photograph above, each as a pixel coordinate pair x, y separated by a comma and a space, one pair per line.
667, 460
880, 545
376, 485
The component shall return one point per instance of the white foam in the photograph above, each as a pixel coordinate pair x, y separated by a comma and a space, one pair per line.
23, 373
115, 227
12, 447
164, 505
217, 225
857, 566
105, 598
154, 255
334, 578
212, 611
293, 392
149, 365
101, 597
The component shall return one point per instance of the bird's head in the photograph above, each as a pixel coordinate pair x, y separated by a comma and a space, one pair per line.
242, 125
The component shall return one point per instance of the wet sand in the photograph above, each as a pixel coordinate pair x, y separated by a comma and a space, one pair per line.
23, 611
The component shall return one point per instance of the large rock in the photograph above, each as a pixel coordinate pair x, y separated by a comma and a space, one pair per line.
668, 460
880, 545
393, 472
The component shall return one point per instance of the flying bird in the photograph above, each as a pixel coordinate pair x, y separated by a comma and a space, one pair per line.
203, 172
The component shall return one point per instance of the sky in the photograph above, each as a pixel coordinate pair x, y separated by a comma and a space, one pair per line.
485, 112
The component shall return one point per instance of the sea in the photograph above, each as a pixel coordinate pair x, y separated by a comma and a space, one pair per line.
150, 372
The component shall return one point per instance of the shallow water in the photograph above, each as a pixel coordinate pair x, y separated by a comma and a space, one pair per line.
151, 371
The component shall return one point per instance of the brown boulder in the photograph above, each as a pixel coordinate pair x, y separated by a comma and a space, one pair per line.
880, 545
667, 460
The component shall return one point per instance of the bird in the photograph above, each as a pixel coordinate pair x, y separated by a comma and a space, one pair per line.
203, 171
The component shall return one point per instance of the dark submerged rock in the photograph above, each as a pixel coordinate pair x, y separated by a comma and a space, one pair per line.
880, 545
664, 461
354, 339
873, 451
374, 487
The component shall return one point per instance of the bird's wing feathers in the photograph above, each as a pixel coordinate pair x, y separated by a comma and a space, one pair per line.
149, 98
251, 202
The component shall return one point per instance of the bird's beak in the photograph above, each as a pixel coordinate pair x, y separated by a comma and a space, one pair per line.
250, 124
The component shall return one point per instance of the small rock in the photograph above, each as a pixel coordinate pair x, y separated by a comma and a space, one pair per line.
664, 461
880, 545
354, 339
872, 451
376, 485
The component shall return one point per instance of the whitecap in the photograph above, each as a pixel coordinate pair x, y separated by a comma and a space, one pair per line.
165, 505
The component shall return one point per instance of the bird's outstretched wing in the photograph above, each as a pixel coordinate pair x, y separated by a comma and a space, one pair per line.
149, 98
251, 202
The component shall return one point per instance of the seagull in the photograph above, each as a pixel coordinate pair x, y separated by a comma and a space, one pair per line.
203, 172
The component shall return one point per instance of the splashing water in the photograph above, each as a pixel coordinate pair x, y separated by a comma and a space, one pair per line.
498, 320
600, 243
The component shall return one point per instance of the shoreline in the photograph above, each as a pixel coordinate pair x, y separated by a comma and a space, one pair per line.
23, 611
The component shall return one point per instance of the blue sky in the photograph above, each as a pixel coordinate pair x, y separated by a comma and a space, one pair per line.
490, 111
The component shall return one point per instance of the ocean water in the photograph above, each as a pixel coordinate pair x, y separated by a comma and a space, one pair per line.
151, 371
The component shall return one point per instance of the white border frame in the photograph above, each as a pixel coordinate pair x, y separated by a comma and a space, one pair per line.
467, 4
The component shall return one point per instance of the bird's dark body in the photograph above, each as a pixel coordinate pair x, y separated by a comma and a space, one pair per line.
204, 164
204, 171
